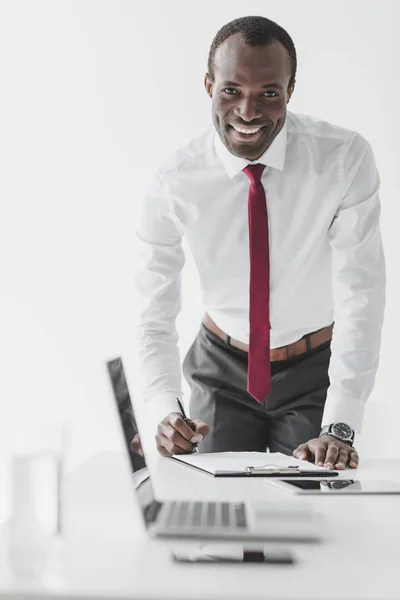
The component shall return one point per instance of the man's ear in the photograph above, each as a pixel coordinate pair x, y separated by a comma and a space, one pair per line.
208, 84
290, 92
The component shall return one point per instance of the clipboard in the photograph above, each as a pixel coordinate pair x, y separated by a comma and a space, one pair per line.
265, 470
272, 471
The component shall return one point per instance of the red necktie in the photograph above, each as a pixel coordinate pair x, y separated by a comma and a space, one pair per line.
259, 366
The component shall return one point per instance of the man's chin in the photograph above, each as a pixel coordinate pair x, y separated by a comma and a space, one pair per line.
246, 148
246, 151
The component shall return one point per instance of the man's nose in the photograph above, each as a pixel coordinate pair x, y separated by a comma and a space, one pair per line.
247, 109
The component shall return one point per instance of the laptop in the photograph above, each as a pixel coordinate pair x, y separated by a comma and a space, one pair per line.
272, 519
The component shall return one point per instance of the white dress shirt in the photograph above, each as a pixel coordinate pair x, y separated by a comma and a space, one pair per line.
326, 256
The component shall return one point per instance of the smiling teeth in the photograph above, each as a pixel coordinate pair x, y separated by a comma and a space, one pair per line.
246, 130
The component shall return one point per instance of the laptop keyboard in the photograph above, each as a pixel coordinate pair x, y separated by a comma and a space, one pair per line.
205, 514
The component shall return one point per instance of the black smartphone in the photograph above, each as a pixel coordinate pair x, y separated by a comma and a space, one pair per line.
340, 486
233, 553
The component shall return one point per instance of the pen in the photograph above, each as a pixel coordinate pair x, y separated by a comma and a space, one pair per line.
187, 421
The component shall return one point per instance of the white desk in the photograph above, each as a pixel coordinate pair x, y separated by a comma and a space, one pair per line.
109, 554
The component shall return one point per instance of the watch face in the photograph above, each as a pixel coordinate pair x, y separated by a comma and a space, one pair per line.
341, 430
338, 485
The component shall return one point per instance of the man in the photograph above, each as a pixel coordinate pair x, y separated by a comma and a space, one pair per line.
281, 213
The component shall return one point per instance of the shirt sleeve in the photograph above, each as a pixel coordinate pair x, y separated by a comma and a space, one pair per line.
159, 262
359, 280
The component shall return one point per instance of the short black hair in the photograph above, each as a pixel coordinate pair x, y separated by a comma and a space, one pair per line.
256, 31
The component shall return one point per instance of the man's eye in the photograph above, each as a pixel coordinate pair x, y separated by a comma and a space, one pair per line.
233, 90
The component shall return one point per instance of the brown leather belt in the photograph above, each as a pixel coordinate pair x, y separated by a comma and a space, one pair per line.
305, 344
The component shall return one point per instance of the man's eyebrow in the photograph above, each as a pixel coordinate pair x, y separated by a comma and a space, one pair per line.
266, 85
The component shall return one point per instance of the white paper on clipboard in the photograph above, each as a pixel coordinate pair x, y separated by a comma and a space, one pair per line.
238, 462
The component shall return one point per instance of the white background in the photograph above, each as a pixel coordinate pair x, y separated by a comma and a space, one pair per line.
94, 96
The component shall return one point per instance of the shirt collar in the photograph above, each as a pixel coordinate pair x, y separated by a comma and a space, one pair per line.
274, 156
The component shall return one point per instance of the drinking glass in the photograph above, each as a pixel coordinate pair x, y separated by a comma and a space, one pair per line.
35, 533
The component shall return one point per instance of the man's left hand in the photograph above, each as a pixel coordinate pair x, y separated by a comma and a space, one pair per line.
327, 451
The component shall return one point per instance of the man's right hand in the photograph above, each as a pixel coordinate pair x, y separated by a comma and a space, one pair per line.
174, 436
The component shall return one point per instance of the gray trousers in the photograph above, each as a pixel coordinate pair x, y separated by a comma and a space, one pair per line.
290, 415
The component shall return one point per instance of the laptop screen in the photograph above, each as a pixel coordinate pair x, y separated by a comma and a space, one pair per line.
129, 428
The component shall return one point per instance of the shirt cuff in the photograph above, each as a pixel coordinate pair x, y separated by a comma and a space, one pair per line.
344, 409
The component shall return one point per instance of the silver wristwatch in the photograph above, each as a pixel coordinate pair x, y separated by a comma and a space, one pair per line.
341, 431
